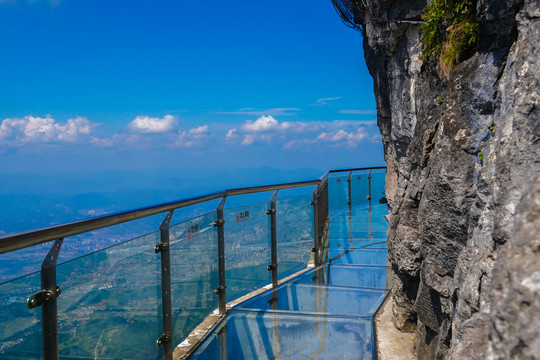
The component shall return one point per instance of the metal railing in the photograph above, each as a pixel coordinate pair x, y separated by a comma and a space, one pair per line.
47, 297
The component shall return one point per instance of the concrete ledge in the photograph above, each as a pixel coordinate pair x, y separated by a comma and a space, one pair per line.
392, 344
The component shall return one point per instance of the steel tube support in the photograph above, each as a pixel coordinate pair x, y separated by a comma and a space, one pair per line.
221, 290
166, 340
316, 226
273, 239
349, 181
369, 193
49, 310
222, 335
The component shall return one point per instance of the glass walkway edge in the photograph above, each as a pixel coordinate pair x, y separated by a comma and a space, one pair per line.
324, 313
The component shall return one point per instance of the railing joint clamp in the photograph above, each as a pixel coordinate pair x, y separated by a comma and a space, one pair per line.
42, 297
163, 339
312, 202
161, 247
219, 290
219, 222
271, 267
270, 212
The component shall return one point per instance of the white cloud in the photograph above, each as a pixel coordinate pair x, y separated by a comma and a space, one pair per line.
267, 129
193, 137
259, 112
327, 101
264, 123
74, 128
249, 139
359, 112
151, 125
263, 130
201, 130
30, 129
231, 134
342, 137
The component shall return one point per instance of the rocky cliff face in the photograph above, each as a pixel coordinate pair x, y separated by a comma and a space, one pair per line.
463, 180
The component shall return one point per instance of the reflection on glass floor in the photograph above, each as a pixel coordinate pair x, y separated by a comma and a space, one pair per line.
325, 313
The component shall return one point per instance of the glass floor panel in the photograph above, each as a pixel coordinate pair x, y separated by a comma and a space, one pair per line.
324, 313
374, 277
322, 300
245, 335
365, 256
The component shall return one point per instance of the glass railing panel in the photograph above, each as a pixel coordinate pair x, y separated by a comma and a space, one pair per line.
20, 328
338, 192
194, 273
378, 181
294, 218
317, 300
247, 248
110, 302
359, 188
245, 335
18, 263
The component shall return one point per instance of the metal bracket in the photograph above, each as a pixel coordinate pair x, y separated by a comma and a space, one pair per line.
163, 339
44, 296
161, 247
271, 301
312, 202
270, 212
271, 267
219, 222
219, 290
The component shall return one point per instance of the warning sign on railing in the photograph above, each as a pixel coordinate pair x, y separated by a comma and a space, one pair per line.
242, 216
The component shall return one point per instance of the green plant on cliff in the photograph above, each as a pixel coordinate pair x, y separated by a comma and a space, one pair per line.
450, 30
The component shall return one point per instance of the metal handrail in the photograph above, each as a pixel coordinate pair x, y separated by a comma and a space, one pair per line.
358, 169
34, 237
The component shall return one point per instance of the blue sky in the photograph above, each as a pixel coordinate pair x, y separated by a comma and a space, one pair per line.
149, 85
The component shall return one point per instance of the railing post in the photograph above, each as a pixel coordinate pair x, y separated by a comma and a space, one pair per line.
221, 290
222, 335
349, 202
273, 237
46, 298
316, 227
369, 189
166, 303
320, 214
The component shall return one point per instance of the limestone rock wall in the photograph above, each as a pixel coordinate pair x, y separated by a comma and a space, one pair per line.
463, 180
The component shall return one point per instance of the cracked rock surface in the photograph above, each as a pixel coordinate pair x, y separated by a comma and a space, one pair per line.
463, 156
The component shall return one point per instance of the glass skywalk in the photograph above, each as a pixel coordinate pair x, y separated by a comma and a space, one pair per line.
325, 313
142, 297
